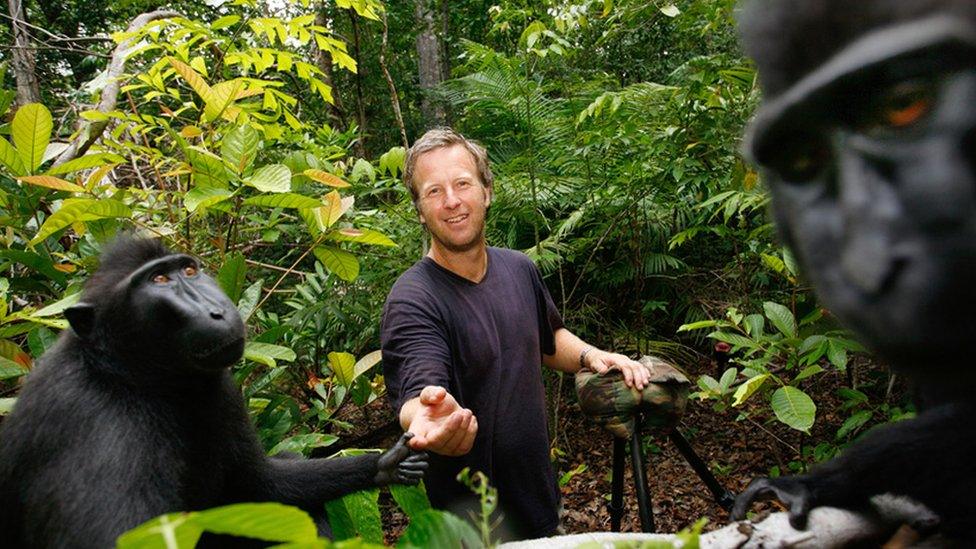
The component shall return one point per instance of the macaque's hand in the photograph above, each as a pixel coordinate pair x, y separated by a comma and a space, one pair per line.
401, 464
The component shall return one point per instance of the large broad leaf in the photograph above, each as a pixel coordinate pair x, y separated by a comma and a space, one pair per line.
781, 317
10, 369
231, 275
363, 511
31, 130
264, 521
364, 364
10, 158
267, 353
343, 365
342, 263
362, 236
7, 405
794, 408
335, 206
58, 306
74, 210
412, 499
51, 182
284, 200
273, 178
222, 105
748, 388
201, 198
85, 162
325, 178
208, 169
194, 79
303, 444
165, 532
439, 529
239, 147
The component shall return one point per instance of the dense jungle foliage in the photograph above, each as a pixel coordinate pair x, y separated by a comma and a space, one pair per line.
268, 138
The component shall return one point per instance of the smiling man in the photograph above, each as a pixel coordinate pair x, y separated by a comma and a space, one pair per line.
464, 333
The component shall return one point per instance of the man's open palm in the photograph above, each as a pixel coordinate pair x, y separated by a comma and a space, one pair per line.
441, 425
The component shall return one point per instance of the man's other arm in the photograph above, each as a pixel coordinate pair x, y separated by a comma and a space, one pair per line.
573, 353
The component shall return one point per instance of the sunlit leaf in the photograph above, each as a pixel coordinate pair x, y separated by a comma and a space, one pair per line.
10, 158
31, 132
362, 236
85, 162
748, 388
794, 408
80, 209
283, 200
273, 178
51, 182
201, 198
412, 499
343, 365
439, 529
239, 147
10, 369
231, 275
326, 178
342, 263
264, 521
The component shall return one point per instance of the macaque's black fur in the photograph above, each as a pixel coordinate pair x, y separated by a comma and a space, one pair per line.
872, 168
133, 413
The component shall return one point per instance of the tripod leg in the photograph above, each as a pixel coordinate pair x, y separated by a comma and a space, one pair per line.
723, 497
617, 484
640, 481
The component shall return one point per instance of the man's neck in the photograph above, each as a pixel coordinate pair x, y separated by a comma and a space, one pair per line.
470, 264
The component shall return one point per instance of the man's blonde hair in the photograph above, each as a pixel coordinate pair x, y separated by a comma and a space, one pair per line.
438, 138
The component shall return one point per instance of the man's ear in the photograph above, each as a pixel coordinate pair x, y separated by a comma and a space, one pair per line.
488, 194
81, 316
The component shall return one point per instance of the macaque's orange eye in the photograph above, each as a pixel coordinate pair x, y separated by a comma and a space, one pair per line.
160, 279
189, 270
905, 104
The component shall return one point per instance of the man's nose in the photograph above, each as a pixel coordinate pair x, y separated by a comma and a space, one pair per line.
451, 199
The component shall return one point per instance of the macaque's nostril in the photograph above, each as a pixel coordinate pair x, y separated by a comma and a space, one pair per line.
217, 314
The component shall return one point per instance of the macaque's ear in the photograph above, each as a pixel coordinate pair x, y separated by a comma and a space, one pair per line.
81, 316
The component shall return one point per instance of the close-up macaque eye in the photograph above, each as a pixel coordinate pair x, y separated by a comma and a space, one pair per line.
903, 104
160, 279
190, 270
799, 158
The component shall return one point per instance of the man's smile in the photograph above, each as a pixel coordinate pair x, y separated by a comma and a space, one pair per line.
456, 219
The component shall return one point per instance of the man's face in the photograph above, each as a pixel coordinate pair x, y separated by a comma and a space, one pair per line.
452, 200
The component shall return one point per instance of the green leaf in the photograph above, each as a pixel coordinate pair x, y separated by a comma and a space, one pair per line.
51, 182
10, 158
343, 365
267, 353
364, 364
7, 405
737, 341
781, 317
201, 198
837, 355
854, 423
231, 275
165, 532
273, 178
671, 10
363, 511
412, 499
209, 170
755, 324
249, 300
10, 369
362, 169
701, 324
748, 388
264, 521
284, 200
362, 236
808, 372
794, 408
239, 147
74, 210
392, 161
325, 178
342, 263
303, 444
439, 529
728, 378
31, 131
86, 162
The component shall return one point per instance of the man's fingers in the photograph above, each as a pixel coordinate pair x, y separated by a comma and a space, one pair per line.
468, 442
432, 394
456, 436
441, 433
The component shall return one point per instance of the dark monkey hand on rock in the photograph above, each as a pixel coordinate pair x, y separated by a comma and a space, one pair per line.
133, 413
867, 140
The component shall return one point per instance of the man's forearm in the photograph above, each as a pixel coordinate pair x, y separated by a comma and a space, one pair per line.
408, 411
567, 355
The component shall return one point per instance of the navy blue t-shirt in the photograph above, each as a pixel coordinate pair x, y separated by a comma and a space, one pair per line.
483, 342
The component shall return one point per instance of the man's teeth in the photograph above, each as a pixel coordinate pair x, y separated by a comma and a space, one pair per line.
457, 218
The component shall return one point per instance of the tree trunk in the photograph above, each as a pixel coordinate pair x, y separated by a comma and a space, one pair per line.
324, 61
28, 89
360, 100
429, 64
394, 96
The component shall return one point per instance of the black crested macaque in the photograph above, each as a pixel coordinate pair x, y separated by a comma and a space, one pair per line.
133, 413
867, 140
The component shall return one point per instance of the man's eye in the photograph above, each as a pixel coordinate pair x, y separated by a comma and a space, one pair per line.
160, 279
904, 104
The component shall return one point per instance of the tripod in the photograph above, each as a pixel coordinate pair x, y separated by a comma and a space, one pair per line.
723, 497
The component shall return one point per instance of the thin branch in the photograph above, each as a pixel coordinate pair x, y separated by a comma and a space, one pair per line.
394, 98
56, 48
89, 131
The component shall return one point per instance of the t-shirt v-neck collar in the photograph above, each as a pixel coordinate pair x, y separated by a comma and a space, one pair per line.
459, 278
